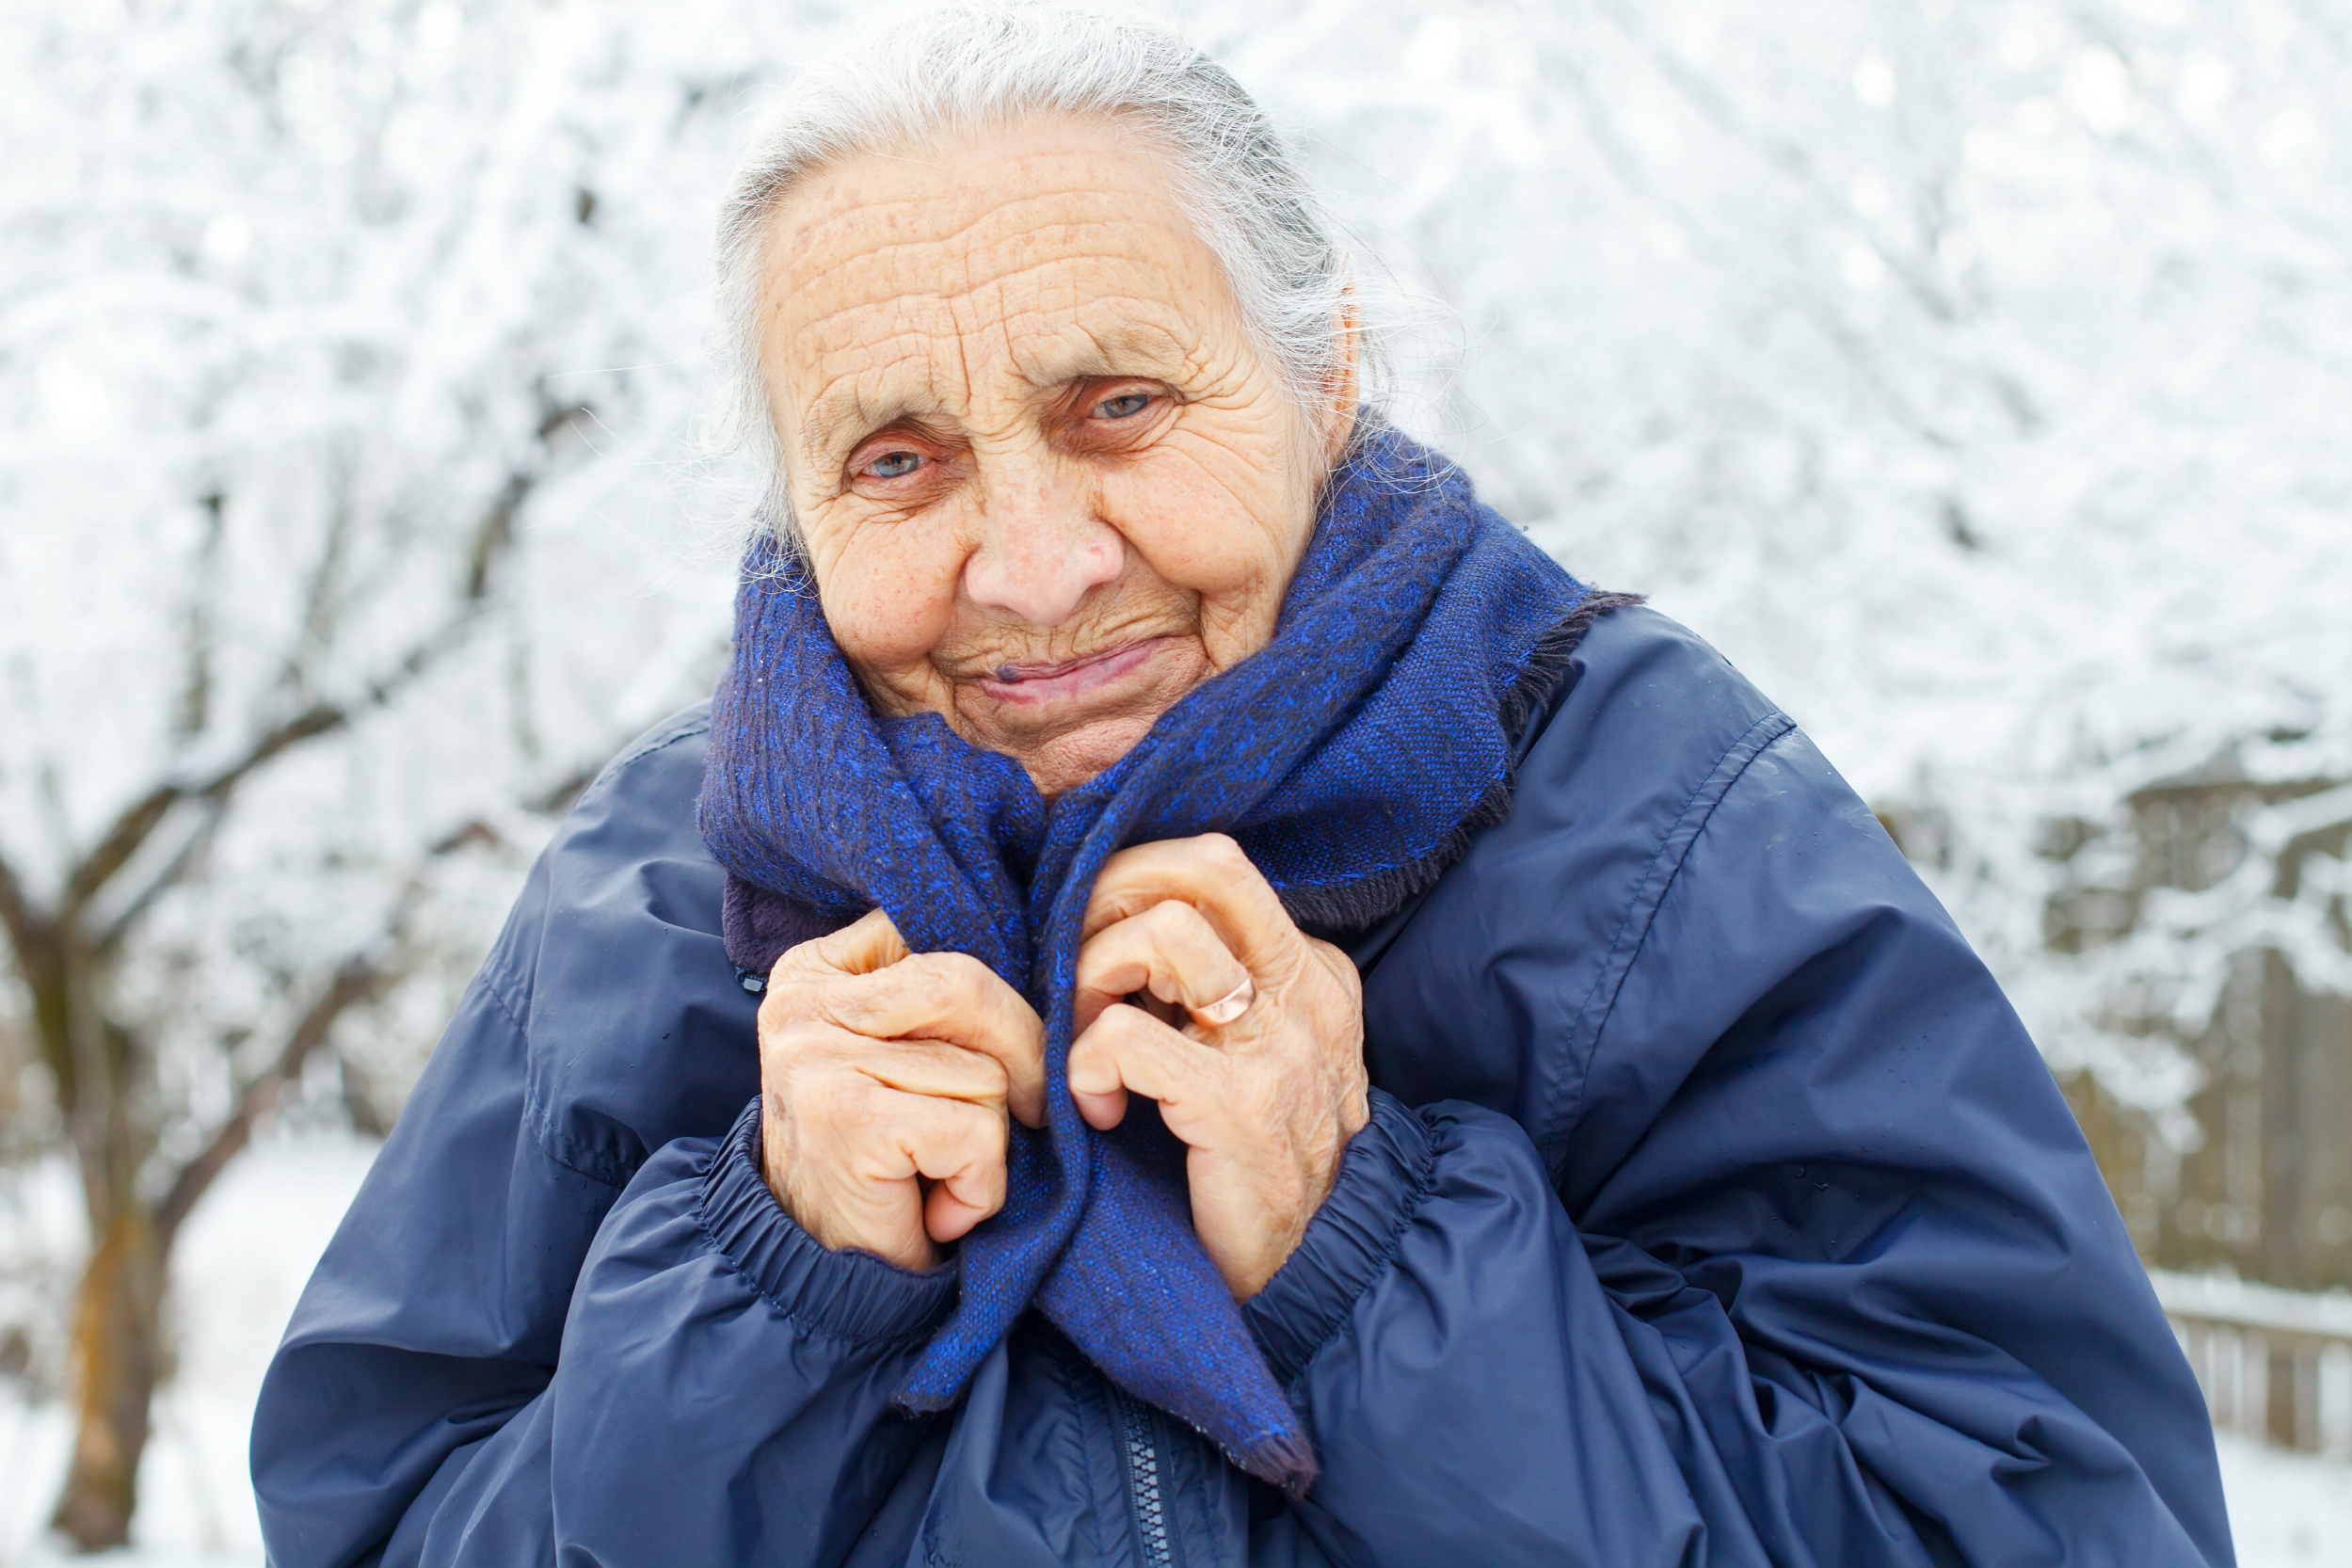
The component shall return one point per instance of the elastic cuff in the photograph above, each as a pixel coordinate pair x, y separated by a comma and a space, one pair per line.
850, 1295
1384, 1175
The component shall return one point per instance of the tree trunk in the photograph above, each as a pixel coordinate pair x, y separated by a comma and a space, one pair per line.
116, 1364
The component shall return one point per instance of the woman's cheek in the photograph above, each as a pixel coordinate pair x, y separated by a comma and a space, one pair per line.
887, 599
1206, 531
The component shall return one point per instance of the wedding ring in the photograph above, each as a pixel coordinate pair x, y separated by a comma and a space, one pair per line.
1229, 1006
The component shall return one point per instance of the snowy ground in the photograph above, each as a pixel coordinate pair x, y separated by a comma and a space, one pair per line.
253, 1243
247, 1250
2287, 1508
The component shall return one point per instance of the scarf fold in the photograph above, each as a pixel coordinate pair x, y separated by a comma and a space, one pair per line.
1352, 757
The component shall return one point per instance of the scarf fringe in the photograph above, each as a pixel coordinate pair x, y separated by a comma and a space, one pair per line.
1363, 903
1548, 661
1283, 1460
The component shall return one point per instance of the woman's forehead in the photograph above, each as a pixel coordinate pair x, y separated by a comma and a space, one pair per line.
982, 271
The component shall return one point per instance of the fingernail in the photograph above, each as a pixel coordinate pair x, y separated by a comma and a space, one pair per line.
1230, 1006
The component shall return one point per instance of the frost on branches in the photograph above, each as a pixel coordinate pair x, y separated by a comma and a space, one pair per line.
1975, 377
348, 358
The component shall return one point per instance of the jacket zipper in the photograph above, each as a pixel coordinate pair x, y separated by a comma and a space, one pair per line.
1143, 1481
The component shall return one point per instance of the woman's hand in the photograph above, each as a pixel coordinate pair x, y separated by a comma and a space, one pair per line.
1265, 1089
881, 1072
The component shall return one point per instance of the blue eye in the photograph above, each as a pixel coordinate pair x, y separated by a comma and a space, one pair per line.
1122, 406
894, 465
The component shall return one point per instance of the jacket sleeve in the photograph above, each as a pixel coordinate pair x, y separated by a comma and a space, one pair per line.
563, 1177
1823, 1273
711, 1351
724, 1395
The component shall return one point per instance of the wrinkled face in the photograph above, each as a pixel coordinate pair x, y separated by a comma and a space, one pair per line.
1047, 482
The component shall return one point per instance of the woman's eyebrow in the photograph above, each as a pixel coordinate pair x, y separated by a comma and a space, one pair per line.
1128, 348
834, 424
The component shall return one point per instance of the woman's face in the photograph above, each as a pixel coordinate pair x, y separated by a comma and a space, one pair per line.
1047, 482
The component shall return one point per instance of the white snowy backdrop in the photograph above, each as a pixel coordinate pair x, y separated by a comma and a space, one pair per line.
1978, 377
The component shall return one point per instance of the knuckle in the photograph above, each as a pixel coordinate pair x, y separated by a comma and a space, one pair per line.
983, 1122
933, 984
788, 1039
792, 994
1128, 1026
963, 969
779, 1008
1121, 903
988, 1135
802, 967
1223, 850
1169, 918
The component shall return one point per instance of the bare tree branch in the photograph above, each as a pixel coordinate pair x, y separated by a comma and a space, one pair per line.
1617, 157
1790, 157
357, 979
318, 597
195, 688
473, 832
133, 828
560, 796
110, 942
131, 831
39, 942
120, 842
16, 910
494, 534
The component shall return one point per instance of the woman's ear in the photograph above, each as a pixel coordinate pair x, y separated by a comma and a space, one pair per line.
1343, 382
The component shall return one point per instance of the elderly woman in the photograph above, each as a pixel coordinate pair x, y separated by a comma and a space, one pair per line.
1192, 999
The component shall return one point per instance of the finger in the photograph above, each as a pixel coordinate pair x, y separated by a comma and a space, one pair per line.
955, 998
935, 1069
1169, 950
961, 1149
1213, 876
869, 943
1126, 1051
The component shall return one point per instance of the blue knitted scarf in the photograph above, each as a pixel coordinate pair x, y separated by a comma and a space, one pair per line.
1352, 757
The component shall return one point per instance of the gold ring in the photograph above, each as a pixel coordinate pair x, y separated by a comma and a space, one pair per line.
1229, 1006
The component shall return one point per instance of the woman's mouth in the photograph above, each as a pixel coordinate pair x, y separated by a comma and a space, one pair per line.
1039, 684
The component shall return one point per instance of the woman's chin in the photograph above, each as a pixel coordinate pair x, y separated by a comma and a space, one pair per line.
1062, 763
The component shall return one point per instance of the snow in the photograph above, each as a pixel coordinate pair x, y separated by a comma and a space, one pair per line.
1974, 376
2220, 1299
255, 1239
235, 1275
2287, 1510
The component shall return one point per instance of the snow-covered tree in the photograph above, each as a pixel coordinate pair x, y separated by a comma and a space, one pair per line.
347, 356
1974, 376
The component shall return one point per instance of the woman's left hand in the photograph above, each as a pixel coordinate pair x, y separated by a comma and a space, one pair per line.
1265, 1090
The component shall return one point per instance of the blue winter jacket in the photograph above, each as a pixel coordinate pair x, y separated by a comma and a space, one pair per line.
1714, 1209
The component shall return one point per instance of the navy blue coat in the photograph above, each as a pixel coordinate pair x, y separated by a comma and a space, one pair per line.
1714, 1209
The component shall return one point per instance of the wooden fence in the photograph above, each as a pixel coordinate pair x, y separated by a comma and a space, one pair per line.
2274, 1364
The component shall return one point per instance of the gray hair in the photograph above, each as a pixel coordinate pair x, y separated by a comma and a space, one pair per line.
971, 68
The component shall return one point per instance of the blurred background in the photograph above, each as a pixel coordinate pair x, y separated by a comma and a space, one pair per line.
1978, 377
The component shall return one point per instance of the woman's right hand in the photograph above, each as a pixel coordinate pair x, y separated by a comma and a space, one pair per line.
884, 1080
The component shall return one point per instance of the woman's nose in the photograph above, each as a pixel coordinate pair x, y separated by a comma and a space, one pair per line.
1043, 549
